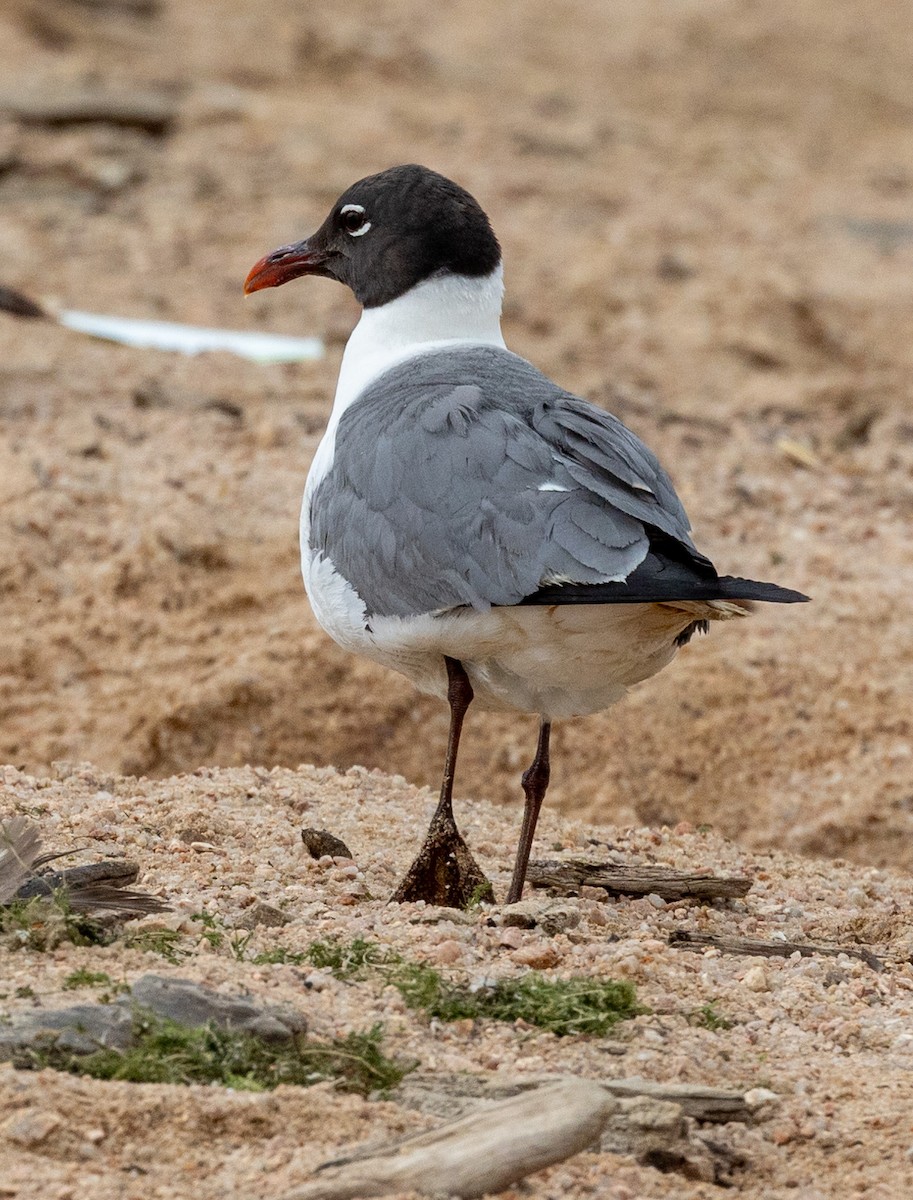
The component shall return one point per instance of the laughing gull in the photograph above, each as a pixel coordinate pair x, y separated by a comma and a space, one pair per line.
466, 521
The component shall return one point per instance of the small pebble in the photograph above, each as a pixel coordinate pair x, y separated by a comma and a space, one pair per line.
511, 937
756, 980
448, 952
540, 958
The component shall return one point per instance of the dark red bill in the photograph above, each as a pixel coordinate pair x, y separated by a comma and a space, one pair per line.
288, 262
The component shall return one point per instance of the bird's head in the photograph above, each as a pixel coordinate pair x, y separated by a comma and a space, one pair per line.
387, 233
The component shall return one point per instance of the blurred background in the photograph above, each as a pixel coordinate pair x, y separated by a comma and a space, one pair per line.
706, 209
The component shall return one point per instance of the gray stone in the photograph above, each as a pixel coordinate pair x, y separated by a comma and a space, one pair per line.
266, 915
81, 1029
550, 916
191, 1004
85, 1028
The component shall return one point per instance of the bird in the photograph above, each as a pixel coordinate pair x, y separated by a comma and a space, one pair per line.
468, 522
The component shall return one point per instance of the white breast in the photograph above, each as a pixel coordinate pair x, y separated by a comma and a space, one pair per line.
434, 315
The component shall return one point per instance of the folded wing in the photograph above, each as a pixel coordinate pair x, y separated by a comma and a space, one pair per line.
499, 489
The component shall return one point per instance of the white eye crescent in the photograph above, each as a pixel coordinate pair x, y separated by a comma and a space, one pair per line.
353, 220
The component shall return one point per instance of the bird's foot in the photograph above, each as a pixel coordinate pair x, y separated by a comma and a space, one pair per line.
444, 871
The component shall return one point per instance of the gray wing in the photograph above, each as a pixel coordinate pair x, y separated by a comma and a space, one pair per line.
480, 492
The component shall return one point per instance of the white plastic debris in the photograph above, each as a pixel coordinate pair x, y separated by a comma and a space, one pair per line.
190, 339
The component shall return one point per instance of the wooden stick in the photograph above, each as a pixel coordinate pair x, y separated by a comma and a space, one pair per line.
682, 939
569, 875
696, 1100
484, 1152
701, 1103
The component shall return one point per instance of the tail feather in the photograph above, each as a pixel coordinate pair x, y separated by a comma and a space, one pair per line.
661, 579
734, 588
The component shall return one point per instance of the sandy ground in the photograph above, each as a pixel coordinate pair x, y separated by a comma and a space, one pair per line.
707, 217
830, 1037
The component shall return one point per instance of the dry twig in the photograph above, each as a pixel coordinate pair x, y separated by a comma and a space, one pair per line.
569, 875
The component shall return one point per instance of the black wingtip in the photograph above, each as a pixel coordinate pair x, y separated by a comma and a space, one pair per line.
731, 587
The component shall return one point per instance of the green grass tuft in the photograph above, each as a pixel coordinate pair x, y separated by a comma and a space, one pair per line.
83, 978
165, 1052
565, 1007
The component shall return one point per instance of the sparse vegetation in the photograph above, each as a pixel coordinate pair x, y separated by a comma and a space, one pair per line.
279, 954
707, 1017
166, 942
353, 960
565, 1007
45, 922
165, 1052
83, 978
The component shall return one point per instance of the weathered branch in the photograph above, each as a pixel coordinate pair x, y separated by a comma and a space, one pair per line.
569, 875
484, 1152
702, 1103
685, 940
443, 1094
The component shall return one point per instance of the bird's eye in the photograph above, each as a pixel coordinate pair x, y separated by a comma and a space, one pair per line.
353, 220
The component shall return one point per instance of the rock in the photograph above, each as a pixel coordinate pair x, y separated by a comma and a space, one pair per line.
321, 843
449, 952
265, 915
550, 916
756, 980
80, 1029
85, 1028
539, 957
757, 1097
31, 1128
189, 1003
511, 938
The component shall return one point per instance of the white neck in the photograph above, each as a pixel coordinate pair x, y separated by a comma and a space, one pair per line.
439, 312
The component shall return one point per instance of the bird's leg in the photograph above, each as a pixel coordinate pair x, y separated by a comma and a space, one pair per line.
535, 784
444, 872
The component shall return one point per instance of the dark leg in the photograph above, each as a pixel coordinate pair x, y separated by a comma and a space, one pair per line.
535, 783
445, 872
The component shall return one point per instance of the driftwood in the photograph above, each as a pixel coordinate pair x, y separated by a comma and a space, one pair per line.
569, 875
701, 1103
454, 1095
116, 873
684, 940
152, 112
484, 1152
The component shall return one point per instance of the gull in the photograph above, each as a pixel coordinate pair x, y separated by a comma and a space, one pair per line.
469, 523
